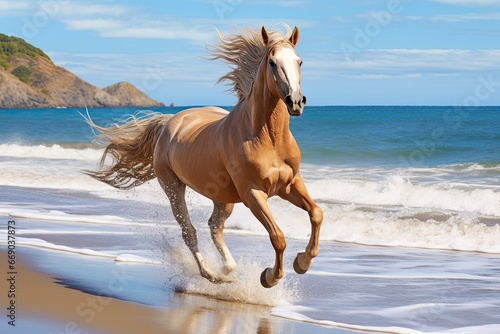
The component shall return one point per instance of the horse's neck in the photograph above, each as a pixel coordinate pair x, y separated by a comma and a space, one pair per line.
268, 114
261, 116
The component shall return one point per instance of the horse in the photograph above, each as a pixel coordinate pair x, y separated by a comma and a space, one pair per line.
246, 155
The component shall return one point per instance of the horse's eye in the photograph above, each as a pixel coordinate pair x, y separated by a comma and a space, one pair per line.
272, 63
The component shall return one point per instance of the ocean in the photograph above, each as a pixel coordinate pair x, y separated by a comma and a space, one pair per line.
410, 241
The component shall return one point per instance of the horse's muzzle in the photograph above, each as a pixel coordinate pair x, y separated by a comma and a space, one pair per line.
295, 106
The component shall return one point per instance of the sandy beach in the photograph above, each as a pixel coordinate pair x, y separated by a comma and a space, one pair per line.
100, 296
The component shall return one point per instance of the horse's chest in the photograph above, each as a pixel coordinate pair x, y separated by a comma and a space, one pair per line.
277, 178
273, 169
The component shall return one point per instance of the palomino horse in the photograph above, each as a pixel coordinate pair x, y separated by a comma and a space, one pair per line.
246, 155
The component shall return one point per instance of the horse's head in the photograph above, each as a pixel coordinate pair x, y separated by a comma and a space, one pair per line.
283, 72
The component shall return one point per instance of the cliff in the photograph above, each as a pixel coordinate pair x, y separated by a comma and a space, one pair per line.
29, 79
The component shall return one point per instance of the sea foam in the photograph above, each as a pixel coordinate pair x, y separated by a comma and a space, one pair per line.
49, 152
409, 207
397, 190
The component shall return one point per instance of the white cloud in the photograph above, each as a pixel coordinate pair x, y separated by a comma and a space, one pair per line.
284, 3
234, 4
10, 5
10, 8
384, 76
121, 21
143, 28
117, 21
163, 30
61, 8
465, 17
450, 18
402, 63
93, 24
470, 2
79, 9
112, 20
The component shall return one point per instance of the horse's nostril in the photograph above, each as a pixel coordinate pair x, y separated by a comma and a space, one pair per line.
304, 100
288, 100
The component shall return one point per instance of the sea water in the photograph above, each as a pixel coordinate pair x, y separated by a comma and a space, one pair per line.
410, 241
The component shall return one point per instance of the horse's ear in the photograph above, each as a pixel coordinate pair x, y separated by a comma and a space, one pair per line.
265, 35
294, 38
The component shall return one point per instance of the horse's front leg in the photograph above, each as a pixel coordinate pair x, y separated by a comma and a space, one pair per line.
257, 203
297, 194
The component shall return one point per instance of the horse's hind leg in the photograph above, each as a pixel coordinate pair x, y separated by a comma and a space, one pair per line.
216, 222
176, 191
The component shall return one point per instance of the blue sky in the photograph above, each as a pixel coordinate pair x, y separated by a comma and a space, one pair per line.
367, 52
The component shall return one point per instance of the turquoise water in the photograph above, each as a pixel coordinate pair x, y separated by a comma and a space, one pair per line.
360, 136
392, 136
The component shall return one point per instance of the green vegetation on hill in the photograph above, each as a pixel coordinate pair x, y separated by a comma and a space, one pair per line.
14, 46
23, 73
3, 61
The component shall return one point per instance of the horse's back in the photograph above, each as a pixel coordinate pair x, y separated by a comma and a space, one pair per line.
189, 121
192, 147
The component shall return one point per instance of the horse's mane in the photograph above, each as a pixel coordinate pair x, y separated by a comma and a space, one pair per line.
243, 52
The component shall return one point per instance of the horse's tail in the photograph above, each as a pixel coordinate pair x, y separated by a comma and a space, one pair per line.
130, 147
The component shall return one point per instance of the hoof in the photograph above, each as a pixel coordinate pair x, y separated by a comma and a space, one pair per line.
214, 278
296, 265
264, 280
222, 280
297, 268
227, 270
